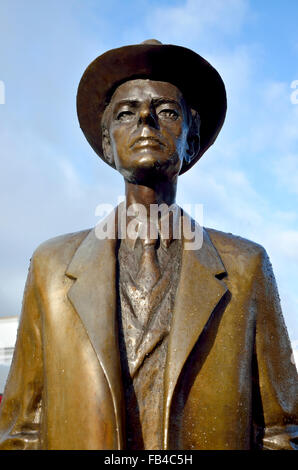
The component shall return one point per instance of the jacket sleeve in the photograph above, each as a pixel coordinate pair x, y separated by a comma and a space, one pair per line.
21, 404
278, 386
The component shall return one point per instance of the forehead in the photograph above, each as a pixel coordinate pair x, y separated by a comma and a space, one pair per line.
141, 89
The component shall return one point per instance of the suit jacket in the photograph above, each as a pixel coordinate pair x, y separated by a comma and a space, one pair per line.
229, 379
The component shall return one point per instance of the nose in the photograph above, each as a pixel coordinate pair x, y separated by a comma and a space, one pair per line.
148, 116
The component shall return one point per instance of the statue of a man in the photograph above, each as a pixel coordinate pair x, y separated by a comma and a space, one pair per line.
142, 340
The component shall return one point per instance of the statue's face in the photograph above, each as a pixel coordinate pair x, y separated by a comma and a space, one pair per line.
148, 128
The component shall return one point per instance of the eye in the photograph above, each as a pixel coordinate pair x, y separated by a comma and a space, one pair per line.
169, 114
125, 116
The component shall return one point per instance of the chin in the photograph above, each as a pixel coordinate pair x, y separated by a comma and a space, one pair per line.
148, 169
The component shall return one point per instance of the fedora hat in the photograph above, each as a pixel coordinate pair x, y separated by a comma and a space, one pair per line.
199, 82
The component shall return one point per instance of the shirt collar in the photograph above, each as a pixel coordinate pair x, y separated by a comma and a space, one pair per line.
167, 226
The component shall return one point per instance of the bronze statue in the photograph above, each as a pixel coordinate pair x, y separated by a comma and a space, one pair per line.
139, 342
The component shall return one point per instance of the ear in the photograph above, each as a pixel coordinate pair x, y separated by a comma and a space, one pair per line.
106, 146
193, 148
193, 137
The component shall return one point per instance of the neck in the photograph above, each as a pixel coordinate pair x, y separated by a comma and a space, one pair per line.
163, 193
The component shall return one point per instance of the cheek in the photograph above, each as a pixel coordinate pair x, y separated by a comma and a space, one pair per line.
117, 140
176, 137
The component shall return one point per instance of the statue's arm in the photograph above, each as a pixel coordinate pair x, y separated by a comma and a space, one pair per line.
21, 404
277, 376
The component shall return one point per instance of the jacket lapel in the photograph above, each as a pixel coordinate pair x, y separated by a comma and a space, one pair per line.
93, 295
198, 293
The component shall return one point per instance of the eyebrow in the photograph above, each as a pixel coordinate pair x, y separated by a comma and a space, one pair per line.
130, 102
156, 101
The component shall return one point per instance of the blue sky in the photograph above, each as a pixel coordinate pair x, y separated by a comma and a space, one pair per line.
51, 180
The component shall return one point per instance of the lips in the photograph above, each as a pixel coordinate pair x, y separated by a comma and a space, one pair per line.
149, 141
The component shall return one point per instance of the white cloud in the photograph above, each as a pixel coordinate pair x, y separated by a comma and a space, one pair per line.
286, 171
286, 217
197, 19
288, 244
275, 127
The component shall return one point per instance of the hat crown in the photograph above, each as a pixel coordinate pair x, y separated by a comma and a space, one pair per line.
152, 42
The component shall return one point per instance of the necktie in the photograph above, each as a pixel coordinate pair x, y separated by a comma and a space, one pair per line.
149, 272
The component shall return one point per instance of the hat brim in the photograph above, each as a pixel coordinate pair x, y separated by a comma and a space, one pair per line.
200, 84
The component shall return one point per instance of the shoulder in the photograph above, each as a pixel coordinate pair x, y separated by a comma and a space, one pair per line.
58, 250
228, 242
237, 252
